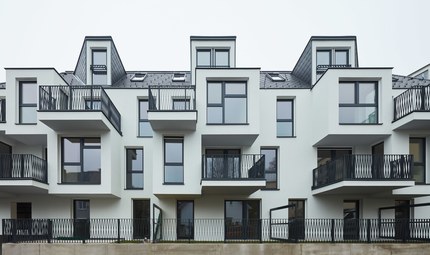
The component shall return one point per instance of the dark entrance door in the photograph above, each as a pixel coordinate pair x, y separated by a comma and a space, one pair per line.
242, 219
81, 219
351, 220
296, 219
378, 171
5, 160
402, 215
141, 219
185, 219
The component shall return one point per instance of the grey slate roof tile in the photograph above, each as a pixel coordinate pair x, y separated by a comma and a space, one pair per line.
152, 78
405, 82
291, 81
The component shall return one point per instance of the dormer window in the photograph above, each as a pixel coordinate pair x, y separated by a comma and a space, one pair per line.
213, 57
331, 58
138, 77
276, 77
178, 77
99, 66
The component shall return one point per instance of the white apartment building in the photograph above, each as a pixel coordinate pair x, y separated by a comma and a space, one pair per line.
218, 141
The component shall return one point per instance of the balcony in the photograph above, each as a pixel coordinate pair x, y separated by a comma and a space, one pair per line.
172, 107
232, 174
23, 173
363, 174
412, 109
88, 107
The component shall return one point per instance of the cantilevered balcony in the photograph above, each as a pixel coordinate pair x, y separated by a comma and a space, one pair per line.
412, 109
172, 107
88, 108
358, 174
22, 173
233, 173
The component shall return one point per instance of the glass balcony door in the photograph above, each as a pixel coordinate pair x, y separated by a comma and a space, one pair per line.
223, 163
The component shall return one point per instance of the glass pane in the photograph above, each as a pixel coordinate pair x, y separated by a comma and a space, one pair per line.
143, 109
134, 160
179, 104
203, 58
82, 209
99, 57
252, 209
270, 160
185, 216
214, 93
145, 129
323, 57
135, 180
71, 173
99, 79
346, 93
214, 115
235, 88
174, 174
29, 93
233, 212
221, 58
92, 160
284, 110
418, 173
92, 141
284, 128
72, 150
416, 148
235, 110
358, 115
28, 115
173, 152
341, 57
366, 93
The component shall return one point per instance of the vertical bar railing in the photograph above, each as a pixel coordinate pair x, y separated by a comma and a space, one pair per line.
171, 98
411, 100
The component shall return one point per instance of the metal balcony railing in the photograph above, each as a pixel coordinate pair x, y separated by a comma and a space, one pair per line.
172, 98
323, 68
363, 168
233, 167
79, 98
416, 99
23, 167
2, 110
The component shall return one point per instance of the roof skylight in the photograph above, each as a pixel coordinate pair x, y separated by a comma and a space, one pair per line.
276, 77
178, 77
138, 77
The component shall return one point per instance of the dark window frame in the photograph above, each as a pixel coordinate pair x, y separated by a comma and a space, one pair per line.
246, 234
332, 59
178, 220
357, 103
97, 71
24, 105
82, 147
215, 50
340, 50
187, 105
142, 120
2, 110
285, 120
271, 172
173, 140
424, 162
212, 57
224, 95
130, 171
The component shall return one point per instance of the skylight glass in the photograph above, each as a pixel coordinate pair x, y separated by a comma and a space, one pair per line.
276, 77
138, 77
178, 77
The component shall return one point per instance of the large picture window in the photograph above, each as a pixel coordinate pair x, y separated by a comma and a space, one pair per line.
358, 103
211, 57
174, 160
99, 67
227, 103
27, 102
81, 160
134, 174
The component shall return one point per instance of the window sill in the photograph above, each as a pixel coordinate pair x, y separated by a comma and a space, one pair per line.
227, 124
26, 124
65, 183
133, 189
360, 124
139, 136
286, 136
277, 189
173, 183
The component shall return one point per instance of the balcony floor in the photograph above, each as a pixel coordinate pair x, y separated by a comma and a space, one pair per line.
236, 187
21, 187
362, 187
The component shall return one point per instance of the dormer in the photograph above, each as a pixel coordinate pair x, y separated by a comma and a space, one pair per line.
99, 62
324, 52
212, 52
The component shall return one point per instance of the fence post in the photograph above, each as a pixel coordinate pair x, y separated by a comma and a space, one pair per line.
49, 230
332, 230
13, 221
119, 230
260, 230
368, 230
189, 230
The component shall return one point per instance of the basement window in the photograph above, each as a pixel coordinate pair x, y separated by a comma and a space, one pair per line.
178, 77
138, 77
276, 77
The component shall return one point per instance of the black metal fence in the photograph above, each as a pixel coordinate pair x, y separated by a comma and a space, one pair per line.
2, 110
233, 166
172, 98
363, 167
79, 98
416, 99
217, 230
23, 167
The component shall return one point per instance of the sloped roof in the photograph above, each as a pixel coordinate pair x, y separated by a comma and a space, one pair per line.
405, 82
291, 81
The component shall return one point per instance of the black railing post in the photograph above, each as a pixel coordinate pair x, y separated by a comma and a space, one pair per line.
14, 237
49, 230
185, 99
119, 230
332, 230
189, 230
422, 90
395, 108
70, 98
159, 99
368, 222
260, 232
22, 164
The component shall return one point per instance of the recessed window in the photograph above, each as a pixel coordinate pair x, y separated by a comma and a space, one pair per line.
178, 77
174, 160
2, 110
27, 102
145, 129
204, 58
358, 103
276, 77
331, 58
99, 67
271, 167
222, 58
134, 174
213, 57
138, 77
284, 118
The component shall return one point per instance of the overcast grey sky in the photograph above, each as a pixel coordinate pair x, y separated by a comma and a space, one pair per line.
154, 35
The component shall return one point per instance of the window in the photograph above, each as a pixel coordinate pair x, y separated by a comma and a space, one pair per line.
284, 118
134, 166
181, 104
2, 110
27, 102
138, 77
185, 219
331, 58
145, 129
271, 167
242, 219
358, 103
227, 103
81, 160
276, 77
213, 58
178, 77
423, 75
98, 67
417, 149
141, 218
174, 160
